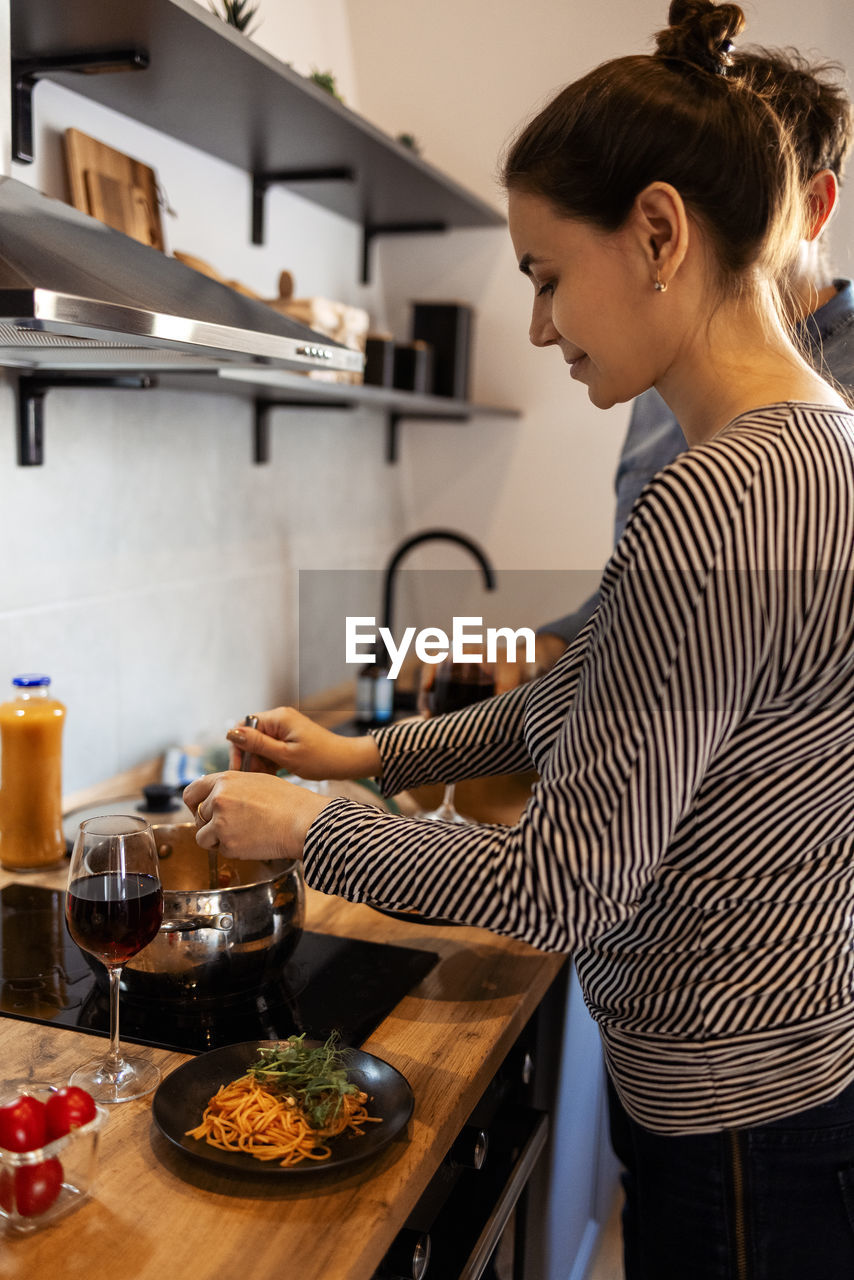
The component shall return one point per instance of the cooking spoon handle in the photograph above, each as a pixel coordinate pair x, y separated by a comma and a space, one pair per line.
252, 723
213, 858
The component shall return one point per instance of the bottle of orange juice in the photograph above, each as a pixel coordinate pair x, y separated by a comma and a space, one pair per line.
31, 776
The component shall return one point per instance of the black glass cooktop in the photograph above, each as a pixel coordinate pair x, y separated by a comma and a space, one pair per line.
329, 983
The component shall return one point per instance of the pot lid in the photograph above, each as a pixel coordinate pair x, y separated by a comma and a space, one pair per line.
156, 803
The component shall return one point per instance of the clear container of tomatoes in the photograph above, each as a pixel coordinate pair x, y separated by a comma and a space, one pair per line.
49, 1136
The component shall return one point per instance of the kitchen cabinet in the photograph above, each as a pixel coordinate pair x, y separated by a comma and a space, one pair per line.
273, 123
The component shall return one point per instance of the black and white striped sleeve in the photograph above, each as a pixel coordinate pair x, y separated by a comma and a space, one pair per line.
480, 741
476, 741
665, 676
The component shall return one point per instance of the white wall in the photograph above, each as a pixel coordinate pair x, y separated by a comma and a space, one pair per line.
150, 567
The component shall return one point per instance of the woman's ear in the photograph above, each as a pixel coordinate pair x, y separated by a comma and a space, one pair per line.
822, 194
660, 223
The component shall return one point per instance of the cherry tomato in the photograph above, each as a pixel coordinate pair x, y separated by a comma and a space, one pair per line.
37, 1186
23, 1124
68, 1109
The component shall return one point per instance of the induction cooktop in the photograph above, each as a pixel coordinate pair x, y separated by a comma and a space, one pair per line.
328, 984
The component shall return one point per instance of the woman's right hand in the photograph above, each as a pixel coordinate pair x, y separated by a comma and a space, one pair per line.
286, 739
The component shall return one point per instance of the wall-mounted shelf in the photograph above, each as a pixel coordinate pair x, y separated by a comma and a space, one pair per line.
281, 390
213, 88
269, 390
270, 120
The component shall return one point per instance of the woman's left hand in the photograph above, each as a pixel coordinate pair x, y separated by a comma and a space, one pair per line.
252, 815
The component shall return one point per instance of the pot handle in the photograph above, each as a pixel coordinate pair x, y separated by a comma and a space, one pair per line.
192, 924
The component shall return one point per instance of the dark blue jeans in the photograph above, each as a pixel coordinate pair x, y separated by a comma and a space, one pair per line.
775, 1202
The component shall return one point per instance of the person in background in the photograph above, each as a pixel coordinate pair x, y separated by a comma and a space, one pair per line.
811, 100
690, 838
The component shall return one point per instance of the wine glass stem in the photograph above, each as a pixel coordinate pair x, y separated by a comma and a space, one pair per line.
114, 1057
448, 797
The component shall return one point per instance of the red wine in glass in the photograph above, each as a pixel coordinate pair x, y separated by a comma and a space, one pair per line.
456, 685
114, 908
459, 684
113, 916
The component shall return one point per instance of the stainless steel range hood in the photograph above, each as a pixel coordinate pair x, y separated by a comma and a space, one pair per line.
75, 294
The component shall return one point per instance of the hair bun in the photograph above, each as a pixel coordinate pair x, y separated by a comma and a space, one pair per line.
701, 34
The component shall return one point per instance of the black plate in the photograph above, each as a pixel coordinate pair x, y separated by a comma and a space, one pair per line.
182, 1097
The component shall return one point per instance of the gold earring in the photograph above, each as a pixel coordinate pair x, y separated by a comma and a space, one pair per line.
660, 285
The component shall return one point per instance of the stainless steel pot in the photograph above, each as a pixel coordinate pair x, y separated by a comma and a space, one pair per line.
221, 941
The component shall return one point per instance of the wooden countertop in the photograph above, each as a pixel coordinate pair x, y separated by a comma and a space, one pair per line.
155, 1213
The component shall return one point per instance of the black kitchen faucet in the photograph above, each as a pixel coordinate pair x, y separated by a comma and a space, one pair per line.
430, 535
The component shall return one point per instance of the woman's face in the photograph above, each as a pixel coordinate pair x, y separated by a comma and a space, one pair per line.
592, 296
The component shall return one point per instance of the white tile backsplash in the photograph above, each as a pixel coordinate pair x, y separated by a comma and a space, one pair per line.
151, 566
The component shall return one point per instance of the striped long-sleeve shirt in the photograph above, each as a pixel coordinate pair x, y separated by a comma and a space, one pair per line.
690, 836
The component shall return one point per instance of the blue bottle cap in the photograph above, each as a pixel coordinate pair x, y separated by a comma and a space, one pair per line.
30, 681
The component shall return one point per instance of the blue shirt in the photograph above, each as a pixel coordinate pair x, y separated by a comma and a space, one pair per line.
654, 437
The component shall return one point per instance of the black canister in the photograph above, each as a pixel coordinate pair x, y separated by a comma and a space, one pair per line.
413, 367
447, 328
379, 360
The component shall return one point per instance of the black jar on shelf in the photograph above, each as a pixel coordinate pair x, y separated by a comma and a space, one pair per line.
379, 360
447, 328
413, 367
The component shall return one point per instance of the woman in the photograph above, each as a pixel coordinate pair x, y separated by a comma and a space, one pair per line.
690, 836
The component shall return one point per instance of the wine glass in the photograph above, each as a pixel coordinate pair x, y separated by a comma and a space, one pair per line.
457, 684
113, 908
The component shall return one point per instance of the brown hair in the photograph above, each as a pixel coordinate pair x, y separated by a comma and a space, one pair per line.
809, 99
679, 117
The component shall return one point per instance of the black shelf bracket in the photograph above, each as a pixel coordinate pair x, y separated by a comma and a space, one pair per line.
395, 418
26, 72
261, 181
32, 389
261, 425
371, 230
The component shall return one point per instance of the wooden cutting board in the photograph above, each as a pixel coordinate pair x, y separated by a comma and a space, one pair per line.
113, 187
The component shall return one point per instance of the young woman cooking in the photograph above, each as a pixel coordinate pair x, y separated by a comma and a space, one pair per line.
690, 837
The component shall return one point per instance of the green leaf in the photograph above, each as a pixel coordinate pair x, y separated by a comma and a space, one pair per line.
325, 80
236, 13
315, 1076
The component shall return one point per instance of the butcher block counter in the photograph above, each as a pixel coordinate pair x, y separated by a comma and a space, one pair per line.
154, 1212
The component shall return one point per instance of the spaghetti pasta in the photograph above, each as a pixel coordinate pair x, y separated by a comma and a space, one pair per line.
244, 1116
